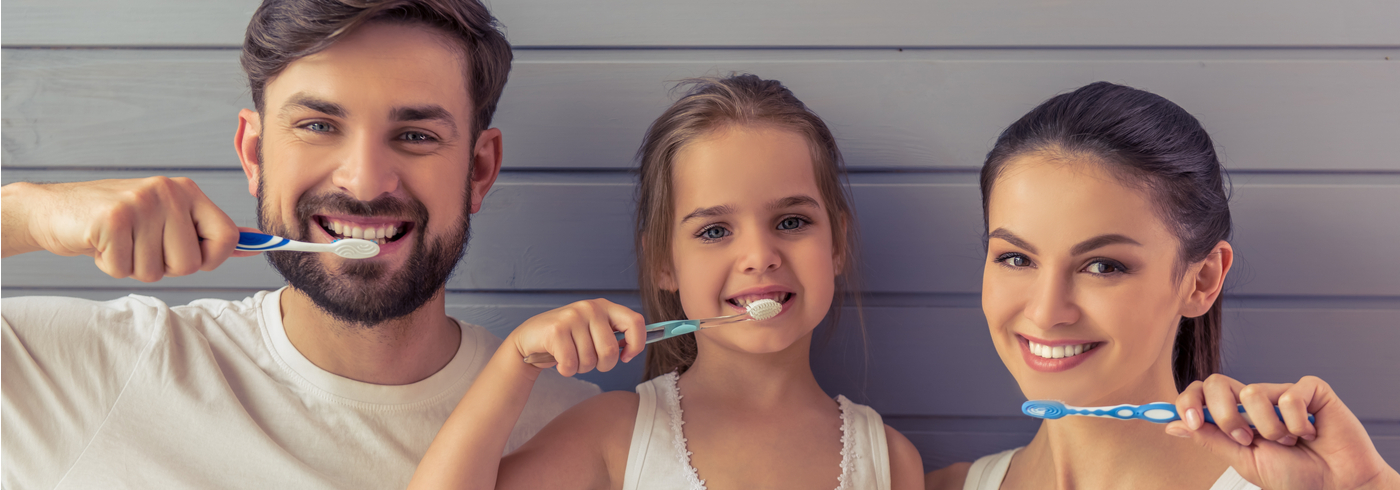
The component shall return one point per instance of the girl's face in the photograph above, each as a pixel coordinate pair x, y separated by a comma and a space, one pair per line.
1079, 288
750, 224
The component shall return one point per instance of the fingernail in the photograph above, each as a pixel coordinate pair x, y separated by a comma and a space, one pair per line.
1288, 440
1177, 431
1193, 419
1309, 437
1242, 436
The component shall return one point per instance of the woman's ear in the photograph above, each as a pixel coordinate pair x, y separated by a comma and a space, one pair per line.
1206, 280
666, 280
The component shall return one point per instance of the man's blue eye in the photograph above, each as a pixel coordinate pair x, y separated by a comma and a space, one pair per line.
415, 136
319, 127
790, 223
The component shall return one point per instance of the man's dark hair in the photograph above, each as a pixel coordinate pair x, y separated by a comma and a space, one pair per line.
283, 31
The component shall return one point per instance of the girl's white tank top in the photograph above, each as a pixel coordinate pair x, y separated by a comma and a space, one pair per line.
988, 471
659, 459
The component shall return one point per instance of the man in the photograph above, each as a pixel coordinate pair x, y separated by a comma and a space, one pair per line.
370, 122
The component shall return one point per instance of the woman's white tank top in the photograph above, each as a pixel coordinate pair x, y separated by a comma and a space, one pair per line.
988, 471
658, 458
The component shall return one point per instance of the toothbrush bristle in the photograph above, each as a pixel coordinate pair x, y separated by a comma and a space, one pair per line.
764, 309
352, 248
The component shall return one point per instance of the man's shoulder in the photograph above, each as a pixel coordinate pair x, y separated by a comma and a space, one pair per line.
135, 316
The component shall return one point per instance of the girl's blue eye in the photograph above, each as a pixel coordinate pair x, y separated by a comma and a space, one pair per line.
713, 233
790, 223
1105, 267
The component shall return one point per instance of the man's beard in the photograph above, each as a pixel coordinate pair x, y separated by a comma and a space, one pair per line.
363, 293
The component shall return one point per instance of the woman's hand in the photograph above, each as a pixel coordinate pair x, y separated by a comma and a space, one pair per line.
1333, 453
581, 336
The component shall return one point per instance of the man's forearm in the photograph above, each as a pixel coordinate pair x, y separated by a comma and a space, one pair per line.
15, 238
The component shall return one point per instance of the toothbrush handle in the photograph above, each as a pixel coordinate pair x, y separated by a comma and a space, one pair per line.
655, 332
258, 242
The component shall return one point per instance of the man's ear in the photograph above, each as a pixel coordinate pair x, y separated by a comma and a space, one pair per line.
246, 142
1206, 280
486, 165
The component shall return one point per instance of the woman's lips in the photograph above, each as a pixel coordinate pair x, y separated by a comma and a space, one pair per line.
1046, 365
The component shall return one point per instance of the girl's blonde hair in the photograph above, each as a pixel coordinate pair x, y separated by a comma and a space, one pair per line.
711, 104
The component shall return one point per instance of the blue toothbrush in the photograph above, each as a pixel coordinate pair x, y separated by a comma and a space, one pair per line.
1159, 412
760, 310
350, 248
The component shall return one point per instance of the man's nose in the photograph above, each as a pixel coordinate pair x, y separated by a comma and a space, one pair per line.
367, 170
758, 253
1052, 303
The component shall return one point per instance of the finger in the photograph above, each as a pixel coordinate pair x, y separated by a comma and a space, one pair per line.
1258, 400
182, 250
583, 342
250, 253
219, 232
1222, 398
565, 353
113, 252
634, 328
1293, 405
1223, 446
1189, 404
148, 250
604, 343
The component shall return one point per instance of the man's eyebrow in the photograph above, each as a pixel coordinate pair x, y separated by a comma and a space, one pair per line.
424, 113
311, 102
1011, 238
709, 212
1101, 241
796, 201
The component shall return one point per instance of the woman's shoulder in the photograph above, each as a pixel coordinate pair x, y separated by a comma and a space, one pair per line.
950, 477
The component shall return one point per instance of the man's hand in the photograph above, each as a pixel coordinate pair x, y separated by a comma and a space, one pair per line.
140, 228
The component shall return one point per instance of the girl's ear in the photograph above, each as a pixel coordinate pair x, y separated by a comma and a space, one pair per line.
839, 245
666, 280
1206, 280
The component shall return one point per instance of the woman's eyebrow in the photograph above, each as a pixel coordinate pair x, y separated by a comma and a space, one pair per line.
1101, 241
1011, 238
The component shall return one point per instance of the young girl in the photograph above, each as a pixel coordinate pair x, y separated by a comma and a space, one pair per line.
740, 199
1107, 221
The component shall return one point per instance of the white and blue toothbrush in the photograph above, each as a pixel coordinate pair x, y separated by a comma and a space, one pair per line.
350, 248
760, 310
1159, 412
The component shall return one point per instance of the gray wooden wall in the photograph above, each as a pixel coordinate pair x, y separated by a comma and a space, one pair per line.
1302, 97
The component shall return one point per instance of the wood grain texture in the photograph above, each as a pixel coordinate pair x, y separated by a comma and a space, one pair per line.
739, 23
920, 233
589, 109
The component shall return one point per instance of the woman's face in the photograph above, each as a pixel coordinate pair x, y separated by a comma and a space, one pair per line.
1079, 287
750, 224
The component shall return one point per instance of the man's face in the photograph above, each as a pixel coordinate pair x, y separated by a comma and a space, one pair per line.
370, 138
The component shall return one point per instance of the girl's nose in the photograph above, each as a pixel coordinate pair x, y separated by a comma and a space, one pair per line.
758, 254
1051, 304
367, 170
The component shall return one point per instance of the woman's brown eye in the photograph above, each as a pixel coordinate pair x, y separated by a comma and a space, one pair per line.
1104, 268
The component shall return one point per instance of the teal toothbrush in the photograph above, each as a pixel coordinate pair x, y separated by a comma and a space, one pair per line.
760, 310
1159, 412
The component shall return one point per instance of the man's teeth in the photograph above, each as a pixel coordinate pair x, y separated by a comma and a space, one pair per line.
1059, 351
379, 234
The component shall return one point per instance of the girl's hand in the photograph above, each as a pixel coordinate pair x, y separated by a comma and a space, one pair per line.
1334, 453
581, 336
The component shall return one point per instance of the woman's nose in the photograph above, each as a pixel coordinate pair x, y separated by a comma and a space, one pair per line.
367, 170
1052, 304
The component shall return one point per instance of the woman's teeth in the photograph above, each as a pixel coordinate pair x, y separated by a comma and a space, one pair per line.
1059, 351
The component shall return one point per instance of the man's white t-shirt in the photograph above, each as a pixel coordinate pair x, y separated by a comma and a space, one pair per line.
132, 393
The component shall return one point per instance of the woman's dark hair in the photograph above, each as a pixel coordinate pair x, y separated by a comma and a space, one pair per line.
710, 105
1151, 144
283, 31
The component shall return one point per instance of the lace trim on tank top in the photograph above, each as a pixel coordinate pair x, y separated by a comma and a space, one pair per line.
692, 477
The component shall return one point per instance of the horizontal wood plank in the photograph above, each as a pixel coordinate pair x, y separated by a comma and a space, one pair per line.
773, 23
921, 234
178, 109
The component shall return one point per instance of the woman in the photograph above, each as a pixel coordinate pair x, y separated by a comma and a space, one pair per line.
1107, 219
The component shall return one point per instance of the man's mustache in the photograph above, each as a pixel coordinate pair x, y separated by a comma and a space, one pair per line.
383, 206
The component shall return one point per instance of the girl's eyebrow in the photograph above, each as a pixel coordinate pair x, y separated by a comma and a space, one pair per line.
795, 201
709, 212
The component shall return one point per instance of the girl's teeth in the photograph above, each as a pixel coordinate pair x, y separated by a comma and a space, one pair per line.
1059, 351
